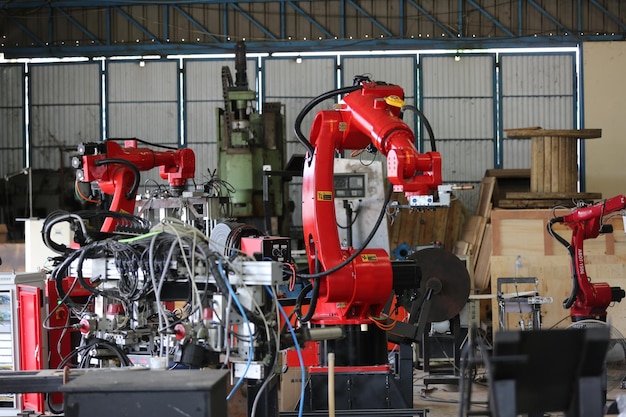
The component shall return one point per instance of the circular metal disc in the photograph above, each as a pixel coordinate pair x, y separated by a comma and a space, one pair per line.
451, 272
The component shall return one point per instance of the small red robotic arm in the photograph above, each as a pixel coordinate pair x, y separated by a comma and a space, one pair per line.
116, 169
588, 300
367, 116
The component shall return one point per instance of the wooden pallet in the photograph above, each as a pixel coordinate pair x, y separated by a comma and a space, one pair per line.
529, 200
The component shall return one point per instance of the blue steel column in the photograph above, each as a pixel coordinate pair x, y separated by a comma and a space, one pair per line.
25, 153
182, 130
419, 97
578, 97
103, 106
460, 14
497, 109
166, 19
106, 99
520, 20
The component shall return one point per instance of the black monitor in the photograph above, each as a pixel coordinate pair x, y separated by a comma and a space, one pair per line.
549, 370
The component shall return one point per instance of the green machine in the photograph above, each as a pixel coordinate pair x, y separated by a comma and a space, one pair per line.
251, 147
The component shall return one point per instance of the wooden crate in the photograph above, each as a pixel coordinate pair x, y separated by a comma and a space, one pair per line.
422, 227
523, 233
506, 181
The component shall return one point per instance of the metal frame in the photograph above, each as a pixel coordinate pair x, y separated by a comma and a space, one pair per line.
45, 16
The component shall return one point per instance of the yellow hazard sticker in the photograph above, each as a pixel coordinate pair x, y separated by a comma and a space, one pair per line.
369, 258
325, 195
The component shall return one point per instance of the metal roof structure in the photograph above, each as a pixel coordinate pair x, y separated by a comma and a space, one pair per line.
61, 28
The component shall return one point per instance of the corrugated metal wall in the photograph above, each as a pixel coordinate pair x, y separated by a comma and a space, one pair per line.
64, 111
537, 90
203, 96
393, 69
11, 118
295, 85
143, 103
459, 97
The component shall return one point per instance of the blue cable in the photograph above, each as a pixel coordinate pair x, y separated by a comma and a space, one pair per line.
298, 350
245, 317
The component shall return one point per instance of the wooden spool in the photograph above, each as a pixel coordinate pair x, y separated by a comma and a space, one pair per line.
554, 157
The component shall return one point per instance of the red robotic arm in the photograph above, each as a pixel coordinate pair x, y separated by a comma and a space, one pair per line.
117, 171
369, 115
588, 300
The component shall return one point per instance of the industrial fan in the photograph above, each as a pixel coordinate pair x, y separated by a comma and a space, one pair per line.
616, 353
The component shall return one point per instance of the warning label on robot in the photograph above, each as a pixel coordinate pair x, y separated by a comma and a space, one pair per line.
325, 195
369, 258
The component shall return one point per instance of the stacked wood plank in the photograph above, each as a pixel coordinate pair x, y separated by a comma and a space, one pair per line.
512, 190
475, 241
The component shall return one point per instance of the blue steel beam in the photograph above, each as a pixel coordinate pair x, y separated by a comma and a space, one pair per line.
289, 46
548, 16
491, 18
195, 23
609, 14
310, 19
431, 18
275, 34
370, 17
137, 25
80, 27
25, 29
253, 21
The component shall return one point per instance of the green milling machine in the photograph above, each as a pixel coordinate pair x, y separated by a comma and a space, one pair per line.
251, 148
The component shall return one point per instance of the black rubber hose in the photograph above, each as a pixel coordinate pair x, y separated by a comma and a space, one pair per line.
366, 242
569, 301
424, 120
47, 229
131, 194
314, 297
145, 142
325, 96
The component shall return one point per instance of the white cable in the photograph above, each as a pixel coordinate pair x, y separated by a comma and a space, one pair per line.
243, 286
154, 288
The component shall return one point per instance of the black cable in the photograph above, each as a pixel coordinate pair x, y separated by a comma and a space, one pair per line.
298, 123
366, 242
156, 145
424, 120
569, 301
130, 194
317, 275
350, 221
314, 296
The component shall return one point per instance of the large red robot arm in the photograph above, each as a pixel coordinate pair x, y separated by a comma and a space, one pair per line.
117, 171
369, 115
588, 300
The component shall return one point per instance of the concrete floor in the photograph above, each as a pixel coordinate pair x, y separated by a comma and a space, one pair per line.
442, 400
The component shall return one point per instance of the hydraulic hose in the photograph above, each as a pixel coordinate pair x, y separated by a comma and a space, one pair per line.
130, 194
429, 129
569, 301
366, 242
298, 123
